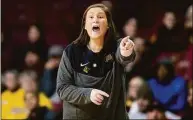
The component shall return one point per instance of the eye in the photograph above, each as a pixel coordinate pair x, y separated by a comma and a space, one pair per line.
91, 17
100, 17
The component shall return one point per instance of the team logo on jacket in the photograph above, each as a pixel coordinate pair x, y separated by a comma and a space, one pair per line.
86, 69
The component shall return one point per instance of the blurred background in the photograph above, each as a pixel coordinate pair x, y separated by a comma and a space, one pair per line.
34, 34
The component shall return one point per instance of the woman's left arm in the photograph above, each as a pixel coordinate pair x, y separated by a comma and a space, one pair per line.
125, 53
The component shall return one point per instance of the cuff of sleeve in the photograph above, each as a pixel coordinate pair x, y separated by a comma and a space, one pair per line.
131, 57
87, 94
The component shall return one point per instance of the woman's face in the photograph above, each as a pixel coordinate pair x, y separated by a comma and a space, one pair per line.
133, 88
31, 59
96, 23
130, 29
33, 34
139, 44
169, 20
162, 72
28, 84
10, 81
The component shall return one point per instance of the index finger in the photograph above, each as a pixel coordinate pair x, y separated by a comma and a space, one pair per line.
103, 93
125, 39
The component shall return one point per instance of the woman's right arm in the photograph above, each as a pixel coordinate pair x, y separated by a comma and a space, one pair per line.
66, 88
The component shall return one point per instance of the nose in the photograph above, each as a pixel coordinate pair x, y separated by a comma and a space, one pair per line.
95, 19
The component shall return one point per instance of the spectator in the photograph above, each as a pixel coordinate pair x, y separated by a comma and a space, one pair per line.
36, 112
130, 28
183, 61
32, 54
10, 80
48, 81
28, 82
168, 89
17, 110
184, 66
140, 47
10, 94
145, 107
156, 112
142, 64
169, 36
140, 107
134, 85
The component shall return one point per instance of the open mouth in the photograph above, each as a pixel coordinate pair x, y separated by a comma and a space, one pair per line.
96, 28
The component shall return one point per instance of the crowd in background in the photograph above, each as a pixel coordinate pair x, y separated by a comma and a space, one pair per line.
159, 80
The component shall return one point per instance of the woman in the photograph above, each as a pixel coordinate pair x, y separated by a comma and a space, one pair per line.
169, 89
90, 73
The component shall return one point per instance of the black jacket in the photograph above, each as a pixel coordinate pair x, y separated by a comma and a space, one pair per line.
77, 77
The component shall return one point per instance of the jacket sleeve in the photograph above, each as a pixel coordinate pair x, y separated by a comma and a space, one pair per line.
124, 60
66, 88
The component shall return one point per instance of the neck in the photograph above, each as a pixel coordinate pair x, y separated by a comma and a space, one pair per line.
96, 45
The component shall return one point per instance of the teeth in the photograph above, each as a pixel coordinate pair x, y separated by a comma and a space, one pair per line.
95, 26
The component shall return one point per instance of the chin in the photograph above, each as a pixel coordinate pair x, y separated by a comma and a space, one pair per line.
95, 36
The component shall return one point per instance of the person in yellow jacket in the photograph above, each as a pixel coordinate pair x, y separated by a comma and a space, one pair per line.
9, 79
16, 108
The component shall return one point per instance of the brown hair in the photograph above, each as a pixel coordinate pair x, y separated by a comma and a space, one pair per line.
110, 36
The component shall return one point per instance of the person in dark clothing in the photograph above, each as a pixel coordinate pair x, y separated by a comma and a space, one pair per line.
36, 112
142, 66
48, 81
33, 53
170, 37
91, 79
